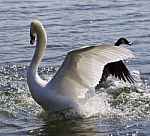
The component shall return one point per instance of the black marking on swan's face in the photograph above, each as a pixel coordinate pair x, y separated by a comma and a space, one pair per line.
123, 41
32, 34
32, 38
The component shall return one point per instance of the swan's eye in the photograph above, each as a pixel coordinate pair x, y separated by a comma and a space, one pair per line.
32, 38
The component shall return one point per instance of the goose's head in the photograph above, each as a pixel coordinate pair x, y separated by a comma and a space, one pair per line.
34, 29
123, 41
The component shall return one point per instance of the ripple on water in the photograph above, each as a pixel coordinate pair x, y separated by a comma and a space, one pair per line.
18, 111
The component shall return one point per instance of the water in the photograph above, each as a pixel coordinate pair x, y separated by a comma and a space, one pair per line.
120, 109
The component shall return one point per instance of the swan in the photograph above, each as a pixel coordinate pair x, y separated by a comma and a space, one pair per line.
79, 72
118, 69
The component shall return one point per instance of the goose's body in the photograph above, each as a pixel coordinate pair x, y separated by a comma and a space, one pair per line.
118, 68
79, 72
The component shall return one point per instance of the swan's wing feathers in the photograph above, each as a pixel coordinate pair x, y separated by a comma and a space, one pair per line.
92, 62
83, 67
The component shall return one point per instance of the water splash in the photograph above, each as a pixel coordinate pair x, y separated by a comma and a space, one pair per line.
115, 98
119, 99
14, 92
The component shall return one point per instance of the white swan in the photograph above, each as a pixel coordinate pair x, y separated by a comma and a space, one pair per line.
79, 72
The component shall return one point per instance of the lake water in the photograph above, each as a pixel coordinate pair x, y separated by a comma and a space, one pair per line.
120, 109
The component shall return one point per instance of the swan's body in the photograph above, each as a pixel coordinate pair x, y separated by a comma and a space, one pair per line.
79, 72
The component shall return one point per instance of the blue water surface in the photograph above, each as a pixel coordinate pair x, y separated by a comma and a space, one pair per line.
72, 24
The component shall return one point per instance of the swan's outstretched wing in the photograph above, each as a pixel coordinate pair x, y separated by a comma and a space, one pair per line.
82, 68
119, 70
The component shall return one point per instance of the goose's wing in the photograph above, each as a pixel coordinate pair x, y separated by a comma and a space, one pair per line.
82, 68
119, 70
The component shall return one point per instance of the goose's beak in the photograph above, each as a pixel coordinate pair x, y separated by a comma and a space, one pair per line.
32, 40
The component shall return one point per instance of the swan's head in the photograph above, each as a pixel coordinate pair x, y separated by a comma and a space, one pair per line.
35, 27
123, 41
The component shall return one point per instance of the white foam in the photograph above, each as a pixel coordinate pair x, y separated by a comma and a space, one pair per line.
96, 105
130, 100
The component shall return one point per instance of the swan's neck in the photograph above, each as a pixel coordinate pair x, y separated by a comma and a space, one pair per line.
32, 75
39, 51
35, 83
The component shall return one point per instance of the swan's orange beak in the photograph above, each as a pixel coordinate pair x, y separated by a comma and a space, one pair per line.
32, 40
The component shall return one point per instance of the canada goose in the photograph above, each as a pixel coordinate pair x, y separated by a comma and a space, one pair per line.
118, 69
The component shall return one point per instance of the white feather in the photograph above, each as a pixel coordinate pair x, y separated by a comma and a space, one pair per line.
80, 71
83, 68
